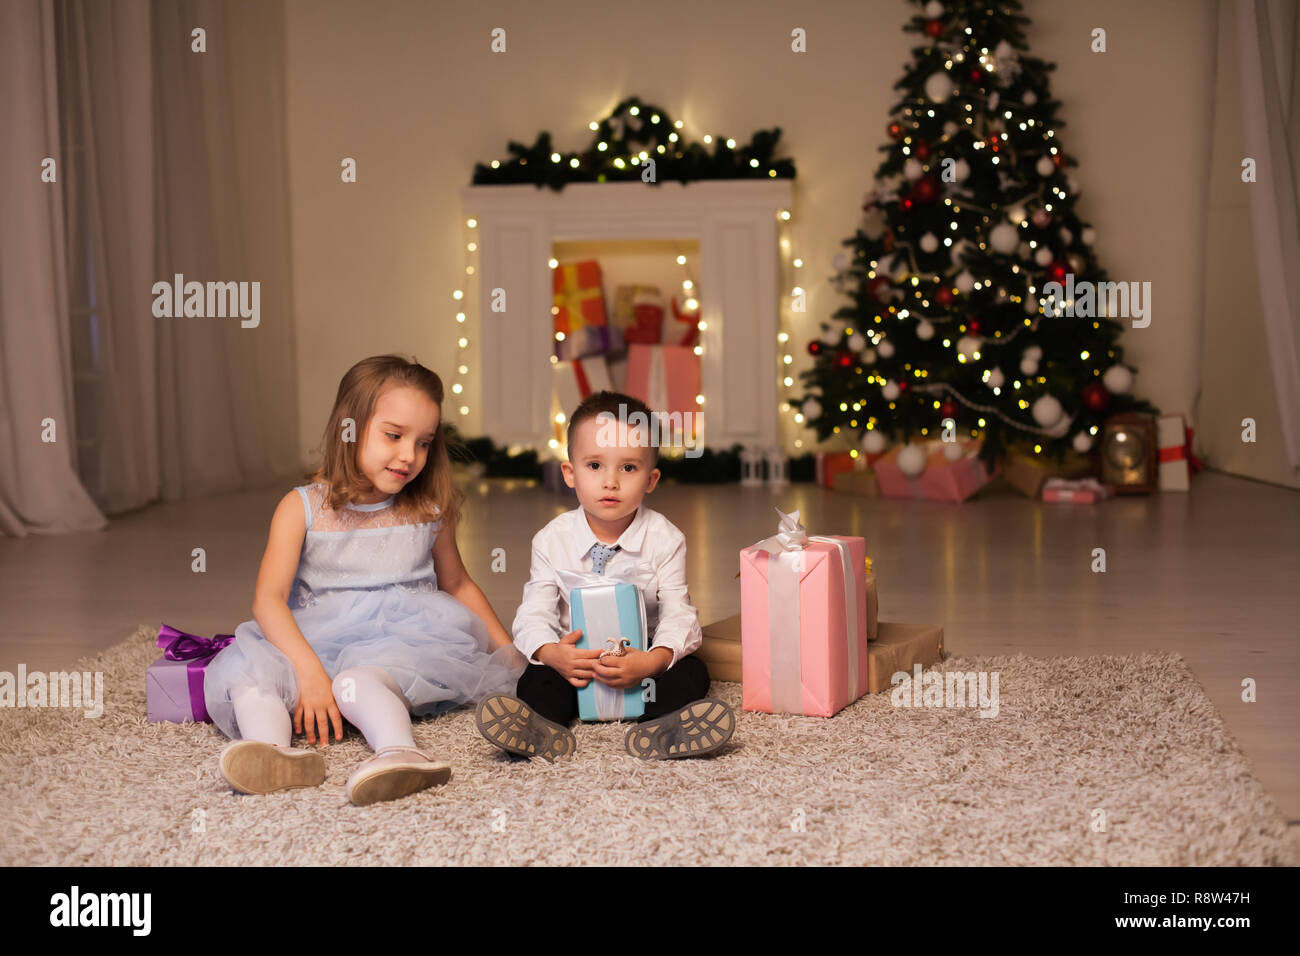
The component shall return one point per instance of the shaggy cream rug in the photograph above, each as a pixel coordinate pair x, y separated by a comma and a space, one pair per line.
1096, 760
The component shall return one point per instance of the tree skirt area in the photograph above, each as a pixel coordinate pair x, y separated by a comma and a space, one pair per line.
1089, 761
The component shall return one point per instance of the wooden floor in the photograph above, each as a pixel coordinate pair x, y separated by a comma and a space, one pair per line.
1213, 575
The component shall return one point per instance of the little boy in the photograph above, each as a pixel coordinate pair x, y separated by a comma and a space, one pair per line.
612, 468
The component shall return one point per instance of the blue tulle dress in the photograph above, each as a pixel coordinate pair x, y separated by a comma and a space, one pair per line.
365, 593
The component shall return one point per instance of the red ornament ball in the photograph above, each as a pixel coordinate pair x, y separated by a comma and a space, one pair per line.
1095, 398
1056, 271
922, 150
1059, 158
944, 296
903, 386
814, 347
895, 130
934, 29
973, 325
976, 75
948, 409
844, 358
926, 190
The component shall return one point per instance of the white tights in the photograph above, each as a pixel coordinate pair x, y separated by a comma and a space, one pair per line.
372, 702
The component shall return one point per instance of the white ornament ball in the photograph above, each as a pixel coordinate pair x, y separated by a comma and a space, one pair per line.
1034, 352
1045, 167
889, 391
840, 261
938, 87
952, 450
1030, 98
950, 128
1066, 235
1028, 366
1047, 411
933, 9
873, 442
885, 348
968, 345
1117, 379
812, 409
929, 242
885, 266
961, 171
832, 336
911, 460
1004, 238
868, 357
1043, 255
857, 341
924, 330
1088, 235
912, 169
1016, 215
965, 282
1004, 50
996, 378
994, 99
1083, 443
1060, 428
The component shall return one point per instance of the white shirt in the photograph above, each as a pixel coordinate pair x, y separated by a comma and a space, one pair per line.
651, 550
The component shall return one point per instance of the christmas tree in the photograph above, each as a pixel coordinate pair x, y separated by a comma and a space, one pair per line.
952, 328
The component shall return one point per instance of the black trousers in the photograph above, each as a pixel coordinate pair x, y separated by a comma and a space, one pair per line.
548, 692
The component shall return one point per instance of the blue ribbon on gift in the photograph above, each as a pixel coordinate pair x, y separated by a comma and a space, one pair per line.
197, 652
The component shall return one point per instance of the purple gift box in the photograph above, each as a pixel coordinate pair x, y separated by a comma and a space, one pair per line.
173, 684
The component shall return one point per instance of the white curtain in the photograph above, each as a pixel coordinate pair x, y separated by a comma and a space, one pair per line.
1270, 116
171, 161
39, 487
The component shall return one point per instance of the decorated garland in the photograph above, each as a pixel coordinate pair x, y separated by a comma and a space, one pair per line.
622, 147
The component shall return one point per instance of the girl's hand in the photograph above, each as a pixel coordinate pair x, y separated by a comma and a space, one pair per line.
316, 707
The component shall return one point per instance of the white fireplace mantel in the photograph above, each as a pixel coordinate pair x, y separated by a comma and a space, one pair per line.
735, 223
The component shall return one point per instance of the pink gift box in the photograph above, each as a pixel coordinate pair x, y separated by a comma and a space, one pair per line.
803, 624
1087, 491
665, 377
942, 479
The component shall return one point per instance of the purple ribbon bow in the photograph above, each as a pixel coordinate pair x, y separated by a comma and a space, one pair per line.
197, 651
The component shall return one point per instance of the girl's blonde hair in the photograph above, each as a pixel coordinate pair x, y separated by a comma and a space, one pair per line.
430, 495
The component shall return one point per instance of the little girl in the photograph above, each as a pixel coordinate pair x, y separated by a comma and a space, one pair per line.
349, 620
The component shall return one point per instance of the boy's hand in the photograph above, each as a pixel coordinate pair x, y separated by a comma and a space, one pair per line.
567, 658
632, 668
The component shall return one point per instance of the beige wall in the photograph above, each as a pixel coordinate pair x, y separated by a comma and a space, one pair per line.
412, 92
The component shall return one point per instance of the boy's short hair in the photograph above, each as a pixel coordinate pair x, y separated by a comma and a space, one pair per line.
607, 401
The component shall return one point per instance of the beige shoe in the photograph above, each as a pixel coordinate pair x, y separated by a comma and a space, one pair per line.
251, 766
395, 772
